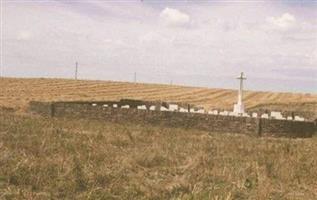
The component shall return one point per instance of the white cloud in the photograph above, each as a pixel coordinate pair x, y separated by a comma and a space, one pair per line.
284, 22
174, 17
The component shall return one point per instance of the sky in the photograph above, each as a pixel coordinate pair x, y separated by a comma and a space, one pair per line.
195, 43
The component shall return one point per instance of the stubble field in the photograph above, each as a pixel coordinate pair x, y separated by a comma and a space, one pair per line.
16, 93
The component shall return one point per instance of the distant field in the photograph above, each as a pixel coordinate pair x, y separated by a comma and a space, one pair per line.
16, 93
84, 159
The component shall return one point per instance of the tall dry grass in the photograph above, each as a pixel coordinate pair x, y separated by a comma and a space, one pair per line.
81, 159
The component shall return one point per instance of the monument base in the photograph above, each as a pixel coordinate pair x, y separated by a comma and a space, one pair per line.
238, 109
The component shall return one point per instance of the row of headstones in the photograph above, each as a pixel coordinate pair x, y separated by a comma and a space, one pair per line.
176, 108
278, 115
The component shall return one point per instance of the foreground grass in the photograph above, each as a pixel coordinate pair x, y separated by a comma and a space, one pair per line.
80, 159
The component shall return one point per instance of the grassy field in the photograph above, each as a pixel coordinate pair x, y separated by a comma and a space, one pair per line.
80, 159
16, 93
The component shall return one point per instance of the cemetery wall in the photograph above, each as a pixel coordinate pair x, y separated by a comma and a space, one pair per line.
207, 122
42, 108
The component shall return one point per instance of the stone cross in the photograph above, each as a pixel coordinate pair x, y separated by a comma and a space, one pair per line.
241, 78
239, 107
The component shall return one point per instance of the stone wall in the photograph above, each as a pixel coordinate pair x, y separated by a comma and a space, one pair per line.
285, 128
42, 108
207, 122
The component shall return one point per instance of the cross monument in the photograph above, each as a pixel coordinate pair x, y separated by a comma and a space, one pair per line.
239, 107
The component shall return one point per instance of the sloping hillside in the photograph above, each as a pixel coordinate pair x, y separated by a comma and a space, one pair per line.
16, 93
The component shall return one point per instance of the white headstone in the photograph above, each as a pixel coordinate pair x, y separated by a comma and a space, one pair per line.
215, 112
265, 115
105, 105
125, 106
173, 107
143, 107
255, 115
163, 108
115, 105
200, 111
298, 118
183, 110
224, 113
152, 108
276, 115
289, 118
94, 104
233, 114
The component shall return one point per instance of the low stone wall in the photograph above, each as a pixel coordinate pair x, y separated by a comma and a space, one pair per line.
285, 128
42, 108
207, 122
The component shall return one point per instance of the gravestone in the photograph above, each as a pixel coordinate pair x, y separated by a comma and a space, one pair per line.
200, 111
298, 118
276, 115
265, 116
233, 114
163, 108
173, 107
289, 118
224, 113
142, 107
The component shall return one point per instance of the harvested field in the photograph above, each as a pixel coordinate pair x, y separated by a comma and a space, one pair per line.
17, 92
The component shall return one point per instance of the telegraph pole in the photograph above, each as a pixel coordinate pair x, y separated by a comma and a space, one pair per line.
76, 70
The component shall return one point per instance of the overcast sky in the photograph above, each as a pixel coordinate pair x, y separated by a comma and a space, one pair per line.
198, 43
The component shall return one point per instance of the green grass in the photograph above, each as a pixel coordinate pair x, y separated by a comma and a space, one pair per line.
80, 159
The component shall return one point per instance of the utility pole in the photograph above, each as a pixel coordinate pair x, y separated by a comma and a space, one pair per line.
76, 70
